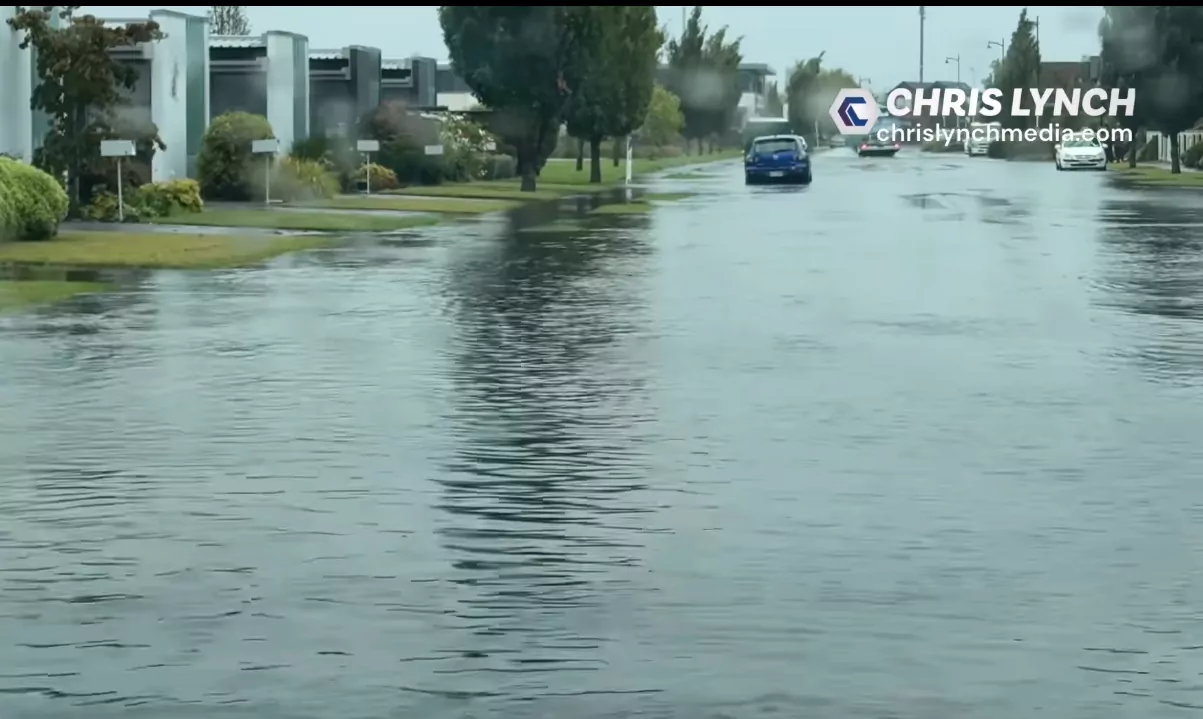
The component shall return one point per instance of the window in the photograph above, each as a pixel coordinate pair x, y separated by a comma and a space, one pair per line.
769, 147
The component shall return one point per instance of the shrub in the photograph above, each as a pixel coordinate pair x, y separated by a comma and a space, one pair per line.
224, 164
1193, 155
32, 203
162, 199
382, 177
338, 153
299, 180
103, 208
1150, 151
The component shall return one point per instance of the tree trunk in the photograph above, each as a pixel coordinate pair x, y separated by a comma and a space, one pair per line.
618, 154
580, 154
527, 168
1175, 160
595, 160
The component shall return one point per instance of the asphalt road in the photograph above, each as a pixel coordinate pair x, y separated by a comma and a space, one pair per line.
920, 440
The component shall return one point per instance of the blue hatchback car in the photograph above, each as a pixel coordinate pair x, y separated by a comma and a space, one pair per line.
777, 158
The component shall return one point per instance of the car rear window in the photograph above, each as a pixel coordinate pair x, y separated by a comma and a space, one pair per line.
772, 146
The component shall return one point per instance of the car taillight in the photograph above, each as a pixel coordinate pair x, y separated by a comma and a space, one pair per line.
897, 146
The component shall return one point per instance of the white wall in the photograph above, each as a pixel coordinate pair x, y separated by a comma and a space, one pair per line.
281, 85
169, 96
16, 85
457, 101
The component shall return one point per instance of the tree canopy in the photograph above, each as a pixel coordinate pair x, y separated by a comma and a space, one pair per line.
621, 47
704, 74
664, 122
810, 92
228, 20
1158, 51
1020, 66
79, 86
523, 62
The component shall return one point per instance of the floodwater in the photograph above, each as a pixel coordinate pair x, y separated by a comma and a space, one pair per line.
920, 441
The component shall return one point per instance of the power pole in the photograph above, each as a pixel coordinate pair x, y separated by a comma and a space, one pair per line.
682, 21
922, 19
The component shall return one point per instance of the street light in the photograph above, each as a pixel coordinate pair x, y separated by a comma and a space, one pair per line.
1002, 48
957, 60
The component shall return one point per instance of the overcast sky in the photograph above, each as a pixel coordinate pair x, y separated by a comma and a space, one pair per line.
880, 44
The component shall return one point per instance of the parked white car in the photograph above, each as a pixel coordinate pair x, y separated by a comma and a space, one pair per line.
1080, 153
979, 132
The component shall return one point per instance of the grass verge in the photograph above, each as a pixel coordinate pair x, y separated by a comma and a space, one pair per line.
441, 205
560, 178
19, 294
665, 196
623, 208
153, 251
1159, 176
288, 220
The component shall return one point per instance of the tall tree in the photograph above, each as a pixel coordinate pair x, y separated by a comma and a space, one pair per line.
622, 43
1128, 57
228, 20
810, 92
522, 62
79, 87
1172, 93
704, 74
1020, 67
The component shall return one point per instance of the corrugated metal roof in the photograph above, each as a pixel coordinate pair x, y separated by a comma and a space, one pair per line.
395, 65
236, 41
326, 55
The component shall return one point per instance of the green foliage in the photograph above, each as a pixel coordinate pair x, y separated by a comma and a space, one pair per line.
32, 203
704, 74
338, 153
664, 122
811, 90
150, 201
299, 180
622, 43
1193, 155
773, 106
1150, 151
497, 167
382, 177
523, 62
228, 20
1020, 67
79, 86
225, 161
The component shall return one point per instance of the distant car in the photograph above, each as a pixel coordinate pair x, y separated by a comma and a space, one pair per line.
1080, 153
782, 158
978, 143
878, 143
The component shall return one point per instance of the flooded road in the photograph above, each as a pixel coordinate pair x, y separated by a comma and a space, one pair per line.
919, 441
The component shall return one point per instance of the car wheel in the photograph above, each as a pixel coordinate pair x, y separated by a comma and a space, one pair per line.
748, 180
806, 178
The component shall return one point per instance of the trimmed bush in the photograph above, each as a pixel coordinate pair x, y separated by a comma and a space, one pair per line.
225, 161
172, 197
382, 177
337, 152
1193, 155
32, 203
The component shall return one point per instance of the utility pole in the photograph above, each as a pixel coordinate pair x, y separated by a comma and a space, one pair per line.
922, 19
682, 21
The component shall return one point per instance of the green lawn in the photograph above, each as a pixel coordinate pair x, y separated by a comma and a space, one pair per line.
289, 220
560, 178
665, 196
153, 251
442, 205
1146, 175
623, 208
19, 294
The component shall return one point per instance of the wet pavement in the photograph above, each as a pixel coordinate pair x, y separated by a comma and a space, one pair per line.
921, 440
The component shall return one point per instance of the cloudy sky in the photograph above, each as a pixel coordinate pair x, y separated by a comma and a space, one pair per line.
879, 44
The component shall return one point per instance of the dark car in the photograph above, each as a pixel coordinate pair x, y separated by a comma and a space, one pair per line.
878, 143
780, 158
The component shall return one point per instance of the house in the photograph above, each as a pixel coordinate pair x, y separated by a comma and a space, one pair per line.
189, 77
1067, 75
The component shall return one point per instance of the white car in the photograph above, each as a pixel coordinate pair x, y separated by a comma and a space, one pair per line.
1080, 153
978, 143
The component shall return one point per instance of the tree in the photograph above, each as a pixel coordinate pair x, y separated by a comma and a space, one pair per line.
1127, 55
810, 92
228, 20
663, 123
622, 44
704, 74
523, 63
1020, 68
773, 107
79, 87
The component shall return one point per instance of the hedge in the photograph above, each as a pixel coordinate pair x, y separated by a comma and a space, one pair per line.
224, 165
32, 203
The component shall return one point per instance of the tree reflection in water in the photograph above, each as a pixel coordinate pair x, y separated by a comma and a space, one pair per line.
542, 499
